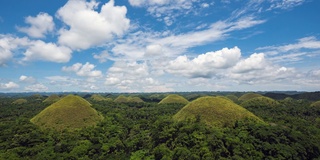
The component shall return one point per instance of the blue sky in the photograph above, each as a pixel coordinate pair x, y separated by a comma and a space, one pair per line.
159, 45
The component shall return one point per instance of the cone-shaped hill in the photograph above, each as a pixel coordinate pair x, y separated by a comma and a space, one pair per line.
215, 111
173, 98
315, 104
71, 112
248, 96
261, 101
52, 98
98, 97
20, 101
130, 99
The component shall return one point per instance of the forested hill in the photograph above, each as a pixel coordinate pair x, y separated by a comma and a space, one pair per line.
149, 130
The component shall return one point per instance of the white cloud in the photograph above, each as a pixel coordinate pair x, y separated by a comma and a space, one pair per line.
84, 70
36, 88
205, 65
256, 61
102, 57
8, 44
303, 43
39, 25
284, 4
8, 86
80, 16
39, 50
153, 50
27, 79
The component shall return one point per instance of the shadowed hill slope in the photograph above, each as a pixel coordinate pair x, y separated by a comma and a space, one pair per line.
71, 112
215, 111
173, 98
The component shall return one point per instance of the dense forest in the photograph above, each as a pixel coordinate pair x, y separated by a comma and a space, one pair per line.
147, 130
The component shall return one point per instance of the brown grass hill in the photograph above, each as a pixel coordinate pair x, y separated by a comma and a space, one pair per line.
248, 96
71, 112
98, 97
52, 98
215, 111
174, 98
261, 101
130, 99
316, 104
20, 101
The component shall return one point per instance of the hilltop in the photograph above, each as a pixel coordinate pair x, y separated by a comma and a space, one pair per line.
248, 96
215, 111
52, 98
260, 101
174, 98
71, 112
20, 101
130, 99
98, 97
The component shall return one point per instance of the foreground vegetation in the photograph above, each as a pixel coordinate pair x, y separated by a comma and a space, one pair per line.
148, 131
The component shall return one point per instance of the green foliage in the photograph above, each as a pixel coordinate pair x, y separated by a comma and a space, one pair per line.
70, 112
148, 131
248, 96
215, 111
174, 99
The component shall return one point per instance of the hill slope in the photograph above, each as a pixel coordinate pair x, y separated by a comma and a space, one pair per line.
173, 98
70, 112
215, 111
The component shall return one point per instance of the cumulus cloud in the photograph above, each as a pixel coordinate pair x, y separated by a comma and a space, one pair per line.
256, 61
84, 70
39, 50
8, 44
80, 16
102, 57
9, 86
27, 79
204, 65
36, 88
153, 50
39, 25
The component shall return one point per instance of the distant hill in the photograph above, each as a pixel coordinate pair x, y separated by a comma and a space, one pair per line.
98, 97
130, 99
174, 98
248, 96
71, 112
215, 111
52, 98
20, 101
312, 96
316, 104
261, 101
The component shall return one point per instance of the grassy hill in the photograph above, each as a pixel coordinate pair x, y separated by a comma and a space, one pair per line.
215, 111
71, 112
248, 96
52, 98
260, 102
98, 97
173, 98
233, 98
130, 99
20, 101
316, 104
